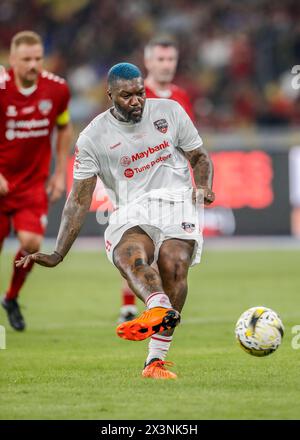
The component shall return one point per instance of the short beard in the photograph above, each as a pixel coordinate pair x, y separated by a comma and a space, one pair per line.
122, 115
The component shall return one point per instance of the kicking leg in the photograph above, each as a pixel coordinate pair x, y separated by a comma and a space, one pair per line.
174, 261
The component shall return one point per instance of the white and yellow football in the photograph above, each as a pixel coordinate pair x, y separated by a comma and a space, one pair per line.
259, 331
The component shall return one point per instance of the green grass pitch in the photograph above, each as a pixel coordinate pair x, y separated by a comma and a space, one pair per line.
69, 364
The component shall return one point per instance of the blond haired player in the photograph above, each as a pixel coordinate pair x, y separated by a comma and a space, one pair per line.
32, 103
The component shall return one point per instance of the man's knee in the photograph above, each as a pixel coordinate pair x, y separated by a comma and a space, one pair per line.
129, 258
30, 242
32, 246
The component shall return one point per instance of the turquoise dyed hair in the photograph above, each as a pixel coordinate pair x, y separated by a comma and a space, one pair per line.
125, 71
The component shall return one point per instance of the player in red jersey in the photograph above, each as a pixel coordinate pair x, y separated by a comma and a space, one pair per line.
32, 103
160, 59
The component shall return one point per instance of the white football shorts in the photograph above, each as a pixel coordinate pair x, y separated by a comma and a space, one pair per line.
163, 216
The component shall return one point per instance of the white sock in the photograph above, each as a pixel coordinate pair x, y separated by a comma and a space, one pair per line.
158, 299
158, 347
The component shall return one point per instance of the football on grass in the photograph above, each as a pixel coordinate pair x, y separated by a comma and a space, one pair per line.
259, 331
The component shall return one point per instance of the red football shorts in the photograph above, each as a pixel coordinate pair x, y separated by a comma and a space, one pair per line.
26, 211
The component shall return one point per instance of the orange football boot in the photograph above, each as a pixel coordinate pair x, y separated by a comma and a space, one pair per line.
151, 321
156, 370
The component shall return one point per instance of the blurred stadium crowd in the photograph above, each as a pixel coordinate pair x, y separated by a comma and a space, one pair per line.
235, 56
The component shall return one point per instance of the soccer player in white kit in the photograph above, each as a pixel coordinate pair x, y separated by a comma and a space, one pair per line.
140, 149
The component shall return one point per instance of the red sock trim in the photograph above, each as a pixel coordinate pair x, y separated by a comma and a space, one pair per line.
161, 340
152, 295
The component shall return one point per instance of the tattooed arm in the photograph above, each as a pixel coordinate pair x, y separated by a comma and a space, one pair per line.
203, 172
74, 214
72, 220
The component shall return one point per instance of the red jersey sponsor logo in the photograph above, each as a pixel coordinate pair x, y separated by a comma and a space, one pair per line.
18, 134
125, 161
11, 111
161, 125
149, 151
28, 124
22, 129
28, 110
129, 173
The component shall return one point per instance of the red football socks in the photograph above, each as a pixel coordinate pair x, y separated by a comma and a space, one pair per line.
19, 276
128, 297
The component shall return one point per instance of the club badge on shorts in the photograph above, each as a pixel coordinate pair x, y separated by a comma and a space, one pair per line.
161, 125
188, 227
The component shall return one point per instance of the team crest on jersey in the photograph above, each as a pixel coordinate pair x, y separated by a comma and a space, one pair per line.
45, 106
188, 227
161, 125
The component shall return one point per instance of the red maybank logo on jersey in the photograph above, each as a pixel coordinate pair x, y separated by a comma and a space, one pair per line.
149, 151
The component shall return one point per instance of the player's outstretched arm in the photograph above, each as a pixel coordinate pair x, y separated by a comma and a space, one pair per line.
203, 172
72, 220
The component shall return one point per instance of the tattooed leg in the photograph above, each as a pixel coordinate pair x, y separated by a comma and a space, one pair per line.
133, 257
174, 263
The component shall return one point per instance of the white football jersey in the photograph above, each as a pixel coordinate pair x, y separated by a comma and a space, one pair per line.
134, 159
